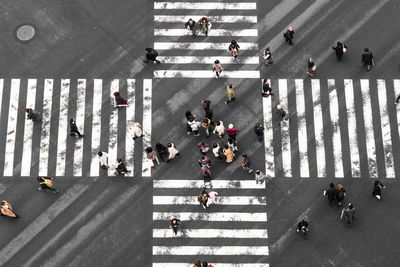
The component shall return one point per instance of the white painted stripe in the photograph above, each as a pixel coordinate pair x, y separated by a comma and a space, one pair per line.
214, 19
146, 126
211, 216
130, 123
220, 184
45, 133
181, 264
11, 128
201, 46
386, 131
336, 139
302, 128
205, 5
207, 60
96, 126
369, 128
113, 139
352, 128
219, 200
285, 134
318, 128
396, 86
212, 32
41, 222
268, 135
80, 122
205, 74
63, 123
28, 130
212, 233
210, 250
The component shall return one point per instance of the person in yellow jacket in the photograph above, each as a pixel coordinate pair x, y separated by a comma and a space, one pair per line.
230, 91
46, 183
6, 210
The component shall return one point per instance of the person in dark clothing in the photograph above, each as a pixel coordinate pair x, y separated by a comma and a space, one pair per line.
268, 56
73, 128
340, 194
397, 100
377, 190
266, 90
32, 115
152, 55
46, 183
288, 35
259, 131
281, 113
119, 101
203, 199
205, 264
206, 105
340, 49
162, 151
189, 117
349, 213
121, 168
301, 225
204, 162
191, 25
311, 67
234, 49
175, 225
246, 163
367, 59
331, 193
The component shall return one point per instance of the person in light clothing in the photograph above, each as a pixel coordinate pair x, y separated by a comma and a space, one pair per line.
259, 176
220, 129
103, 159
212, 197
137, 131
172, 151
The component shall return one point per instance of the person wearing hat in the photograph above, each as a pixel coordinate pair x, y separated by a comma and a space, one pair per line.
217, 68
349, 213
232, 131
230, 91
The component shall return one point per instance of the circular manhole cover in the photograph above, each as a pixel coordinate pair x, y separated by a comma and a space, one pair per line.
25, 32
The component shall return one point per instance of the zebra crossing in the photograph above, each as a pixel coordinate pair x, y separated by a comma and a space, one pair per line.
187, 54
231, 232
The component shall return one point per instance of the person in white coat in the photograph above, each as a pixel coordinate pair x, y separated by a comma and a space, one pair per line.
194, 125
212, 198
137, 130
103, 159
172, 151
220, 129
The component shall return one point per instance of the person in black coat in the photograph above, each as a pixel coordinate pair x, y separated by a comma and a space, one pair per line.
152, 55
121, 168
206, 105
266, 89
331, 193
340, 49
367, 59
377, 190
73, 128
162, 151
32, 115
311, 66
191, 25
289, 34
259, 131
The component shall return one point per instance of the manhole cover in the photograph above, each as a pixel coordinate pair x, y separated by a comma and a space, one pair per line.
25, 33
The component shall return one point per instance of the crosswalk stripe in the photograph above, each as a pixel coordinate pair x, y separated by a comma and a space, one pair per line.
205, 74
220, 200
336, 139
268, 136
214, 19
212, 216
211, 33
213, 233
207, 60
80, 121
130, 123
96, 126
318, 128
386, 131
113, 139
62, 127
369, 128
146, 127
352, 128
201, 46
285, 133
11, 128
217, 184
28, 129
180, 264
210, 250
205, 5
45, 133
41, 222
302, 128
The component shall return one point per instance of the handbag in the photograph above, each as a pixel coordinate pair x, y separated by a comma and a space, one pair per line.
314, 67
344, 49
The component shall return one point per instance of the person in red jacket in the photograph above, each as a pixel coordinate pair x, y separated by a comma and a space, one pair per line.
232, 131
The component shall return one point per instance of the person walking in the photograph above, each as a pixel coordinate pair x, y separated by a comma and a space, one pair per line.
162, 151
377, 190
194, 126
203, 199
266, 90
259, 176
267, 57
7, 210
207, 126
230, 91
232, 144
331, 193
217, 151
204, 162
203, 148
175, 225
234, 49
197, 264
205, 25
151, 56
191, 26
137, 131
219, 129
32, 115
103, 159
217, 68
229, 155
206, 105
153, 156
281, 113
73, 128
259, 131
311, 67
340, 194
119, 101
46, 183
340, 49
189, 117
246, 163
212, 197
367, 59
120, 167
172, 151
288, 35
349, 213
232, 131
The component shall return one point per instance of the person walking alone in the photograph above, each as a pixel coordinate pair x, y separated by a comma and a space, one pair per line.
311, 67
349, 213
162, 151
331, 193
220, 129
32, 115
232, 131
217, 151
259, 176
367, 59
175, 225
229, 155
266, 90
268, 57
340, 49
172, 151
103, 159
203, 199
281, 113
121, 168
288, 35
217, 68
230, 91
7, 210
194, 126
73, 128
246, 163
151, 56
46, 183
137, 131
234, 49
377, 190
259, 131
206, 106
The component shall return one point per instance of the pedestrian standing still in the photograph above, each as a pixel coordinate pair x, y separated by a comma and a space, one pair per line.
288, 35
367, 59
230, 91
